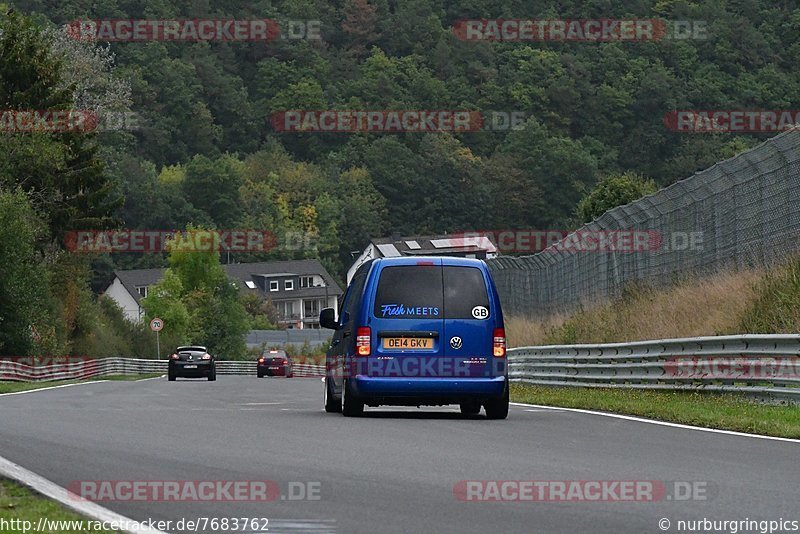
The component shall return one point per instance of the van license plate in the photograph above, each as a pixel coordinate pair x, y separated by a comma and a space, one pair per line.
190, 367
408, 343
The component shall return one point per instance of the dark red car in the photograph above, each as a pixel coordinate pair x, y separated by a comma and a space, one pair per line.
274, 363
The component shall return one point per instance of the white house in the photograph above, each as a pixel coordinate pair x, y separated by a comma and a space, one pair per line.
127, 296
298, 289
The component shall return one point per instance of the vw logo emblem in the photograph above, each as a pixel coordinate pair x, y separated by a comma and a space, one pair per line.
455, 342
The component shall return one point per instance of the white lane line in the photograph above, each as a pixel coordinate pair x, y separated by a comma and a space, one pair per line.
302, 525
50, 489
151, 378
259, 403
654, 422
53, 387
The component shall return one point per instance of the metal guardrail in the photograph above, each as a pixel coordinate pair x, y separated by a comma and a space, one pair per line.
87, 368
765, 365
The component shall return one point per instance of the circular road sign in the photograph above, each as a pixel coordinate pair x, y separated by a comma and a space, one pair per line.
156, 324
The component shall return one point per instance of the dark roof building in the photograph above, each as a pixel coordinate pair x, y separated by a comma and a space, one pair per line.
297, 288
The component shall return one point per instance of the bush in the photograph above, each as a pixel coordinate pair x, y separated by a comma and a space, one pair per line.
613, 191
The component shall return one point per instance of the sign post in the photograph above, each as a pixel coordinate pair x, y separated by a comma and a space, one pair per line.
156, 325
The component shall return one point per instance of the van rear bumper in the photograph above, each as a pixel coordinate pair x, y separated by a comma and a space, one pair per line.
445, 388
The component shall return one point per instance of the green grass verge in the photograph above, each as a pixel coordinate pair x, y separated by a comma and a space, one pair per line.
19, 503
727, 412
13, 387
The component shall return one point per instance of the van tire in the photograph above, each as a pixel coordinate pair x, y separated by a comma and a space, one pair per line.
331, 404
352, 406
470, 408
497, 408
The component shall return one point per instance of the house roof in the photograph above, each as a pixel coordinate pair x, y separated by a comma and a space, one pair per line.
133, 278
426, 245
244, 272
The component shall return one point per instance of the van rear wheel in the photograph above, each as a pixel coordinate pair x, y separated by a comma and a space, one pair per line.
497, 408
331, 404
352, 406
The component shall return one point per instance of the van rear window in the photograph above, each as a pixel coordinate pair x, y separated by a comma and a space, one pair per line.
432, 292
409, 292
465, 295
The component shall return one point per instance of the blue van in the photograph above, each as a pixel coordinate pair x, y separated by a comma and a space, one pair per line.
415, 331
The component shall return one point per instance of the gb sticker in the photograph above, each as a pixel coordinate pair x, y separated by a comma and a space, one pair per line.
480, 312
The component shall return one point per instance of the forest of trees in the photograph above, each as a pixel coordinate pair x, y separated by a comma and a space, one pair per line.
205, 152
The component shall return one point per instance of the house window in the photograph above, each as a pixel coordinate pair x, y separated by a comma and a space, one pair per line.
273, 285
288, 285
142, 290
306, 281
311, 307
285, 309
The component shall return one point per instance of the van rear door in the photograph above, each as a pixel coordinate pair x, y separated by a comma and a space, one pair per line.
407, 321
469, 321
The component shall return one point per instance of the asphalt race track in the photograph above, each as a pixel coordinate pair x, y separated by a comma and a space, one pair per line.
393, 470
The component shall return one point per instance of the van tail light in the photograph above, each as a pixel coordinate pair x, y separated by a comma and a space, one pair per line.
499, 343
173, 357
261, 360
363, 335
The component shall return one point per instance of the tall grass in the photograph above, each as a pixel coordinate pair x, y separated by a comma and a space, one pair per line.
715, 305
776, 308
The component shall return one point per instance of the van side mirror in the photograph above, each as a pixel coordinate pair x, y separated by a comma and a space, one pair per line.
327, 319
